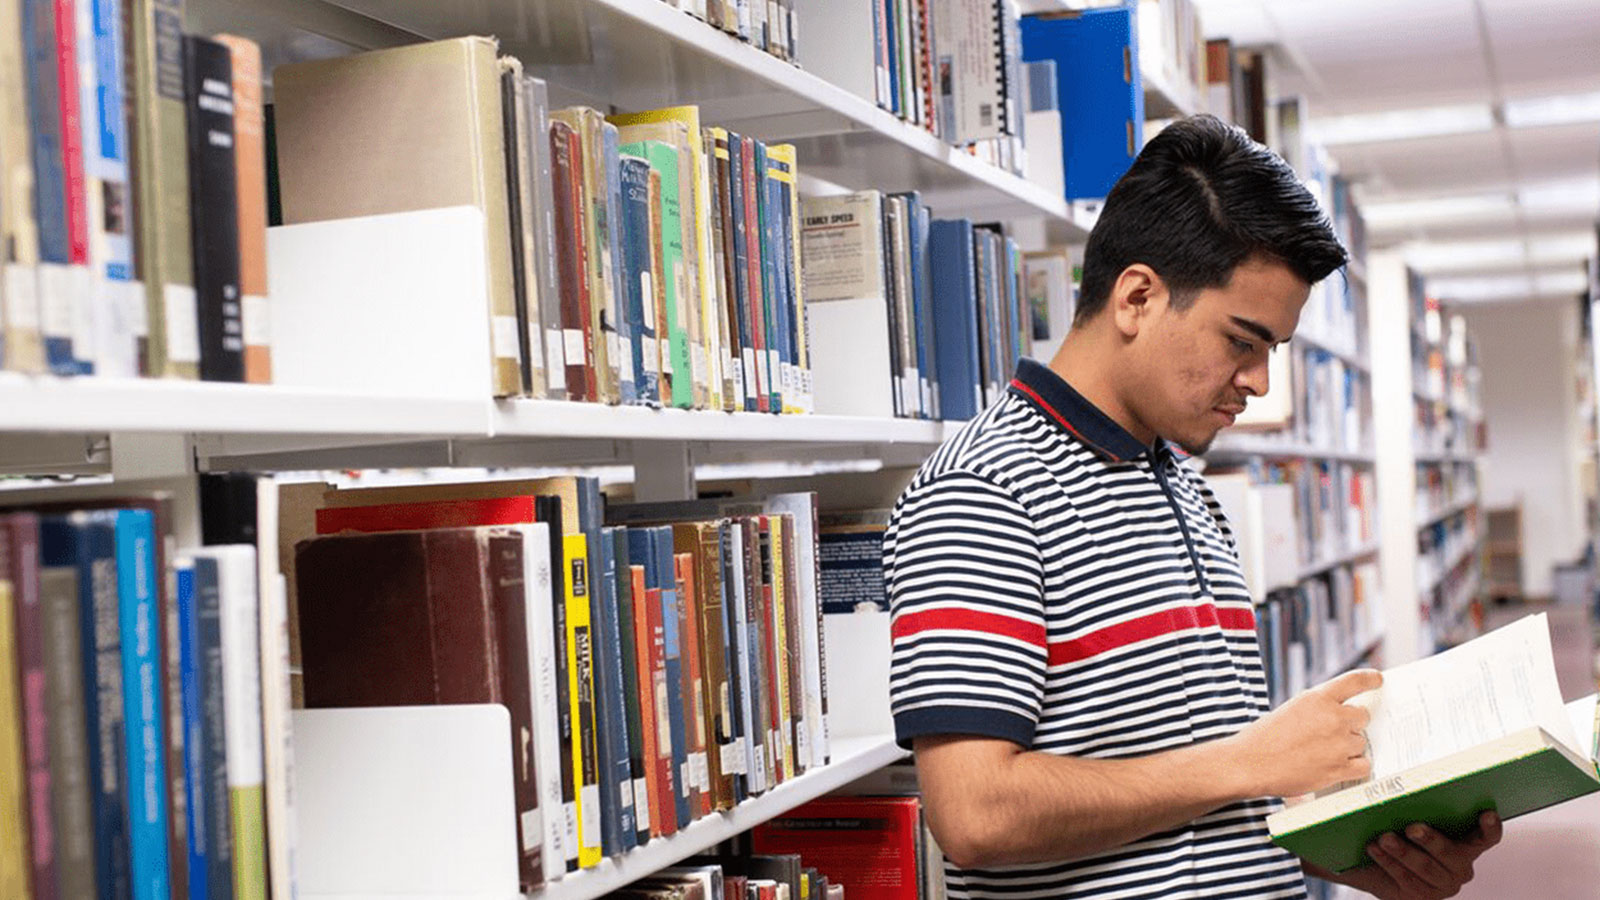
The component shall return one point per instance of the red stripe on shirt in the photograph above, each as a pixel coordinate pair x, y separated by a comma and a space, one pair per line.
995, 624
1056, 414
1156, 624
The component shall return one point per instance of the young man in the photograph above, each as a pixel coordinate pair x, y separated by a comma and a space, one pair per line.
1075, 660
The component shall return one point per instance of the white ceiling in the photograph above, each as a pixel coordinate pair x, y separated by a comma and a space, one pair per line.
1537, 185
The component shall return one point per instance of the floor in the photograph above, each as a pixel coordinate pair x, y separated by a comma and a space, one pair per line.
1553, 854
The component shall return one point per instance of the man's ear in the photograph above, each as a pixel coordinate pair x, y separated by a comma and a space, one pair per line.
1134, 296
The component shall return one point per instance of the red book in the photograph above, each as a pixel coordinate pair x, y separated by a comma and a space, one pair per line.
694, 706
756, 298
72, 129
19, 563
427, 514
566, 167
663, 803
866, 844
647, 699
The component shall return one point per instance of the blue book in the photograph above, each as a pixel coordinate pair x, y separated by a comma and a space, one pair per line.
87, 541
783, 302
205, 777
732, 641
892, 31
1014, 306
142, 702
666, 572
955, 312
1102, 112
106, 138
49, 179
917, 250
762, 236
634, 219
742, 236
618, 323
618, 832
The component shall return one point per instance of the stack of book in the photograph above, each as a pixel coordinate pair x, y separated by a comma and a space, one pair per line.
657, 669
910, 316
951, 68
144, 705
630, 259
134, 195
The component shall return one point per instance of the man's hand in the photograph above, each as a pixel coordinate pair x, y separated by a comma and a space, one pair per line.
1421, 864
1310, 742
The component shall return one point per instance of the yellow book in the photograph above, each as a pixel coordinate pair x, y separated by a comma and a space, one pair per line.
13, 784
796, 387
580, 693
705, 288
780, 640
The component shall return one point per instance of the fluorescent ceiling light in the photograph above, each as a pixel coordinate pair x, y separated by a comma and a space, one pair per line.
1566, 281
1580, 195
1403, 124
1561, 109
1561, 248
1498, 254
1401, 213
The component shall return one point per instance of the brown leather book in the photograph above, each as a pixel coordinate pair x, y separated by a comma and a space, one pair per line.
701, 540
417, 618
566, 164
407, 128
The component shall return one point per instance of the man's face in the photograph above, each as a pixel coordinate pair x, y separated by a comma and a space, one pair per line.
1197, 367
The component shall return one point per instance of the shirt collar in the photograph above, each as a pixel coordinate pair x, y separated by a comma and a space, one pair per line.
1041, 386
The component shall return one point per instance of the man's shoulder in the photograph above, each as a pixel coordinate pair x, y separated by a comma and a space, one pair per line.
1005, 440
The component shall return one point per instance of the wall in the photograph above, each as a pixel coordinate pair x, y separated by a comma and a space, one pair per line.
1527, 352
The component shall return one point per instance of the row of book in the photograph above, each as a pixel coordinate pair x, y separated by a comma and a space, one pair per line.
910, 315
658, 668
1440, 486
631, 259
1289, 515
1318, 628
133, 197
768, 25
144, 708
1445, 547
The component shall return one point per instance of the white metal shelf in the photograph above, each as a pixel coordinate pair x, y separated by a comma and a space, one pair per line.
1445, 458
1163, 99
1349, 662
853, 758
1343, 354
645, 54
1240, 446
1333, 562
1449, 510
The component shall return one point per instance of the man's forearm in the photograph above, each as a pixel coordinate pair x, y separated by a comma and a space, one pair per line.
1037, 807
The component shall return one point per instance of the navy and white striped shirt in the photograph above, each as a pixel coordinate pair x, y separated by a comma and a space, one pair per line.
1057, 584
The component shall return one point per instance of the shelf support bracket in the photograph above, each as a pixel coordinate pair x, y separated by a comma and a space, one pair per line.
663, 470
137, 456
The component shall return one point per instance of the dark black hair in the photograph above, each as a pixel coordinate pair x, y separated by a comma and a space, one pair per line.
1201, 198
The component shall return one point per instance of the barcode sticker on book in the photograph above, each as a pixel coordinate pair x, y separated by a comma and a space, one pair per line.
733, 758
55, 301
697, 357
641, 803
504, 329
686, 776
625, 364
22, 297
702, 770
183, 328
532, 830
652, 352
625, 793
535, 347
570, 831
574, 346
589, 805
556, 373
257, 320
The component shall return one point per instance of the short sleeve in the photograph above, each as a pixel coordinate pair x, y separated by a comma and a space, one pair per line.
965, 581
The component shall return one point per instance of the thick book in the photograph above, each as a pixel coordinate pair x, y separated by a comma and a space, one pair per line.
619, 832
545, 321
651, 549
847, 299
160, 154
701, 541
600, 313
694, 709
953, 297
366, 640
1510, 747
677, 368
647, 787
628, 639
210, 838
338, 122
514, 111
250, 165
51, 179
577, 336
580, 697
637, 292
614, 323
214, 206
103, 116
871, 845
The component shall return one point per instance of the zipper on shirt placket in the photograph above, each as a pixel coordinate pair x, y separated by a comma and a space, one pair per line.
1159, 466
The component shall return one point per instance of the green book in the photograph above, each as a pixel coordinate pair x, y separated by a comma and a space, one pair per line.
1479, 727
676, 364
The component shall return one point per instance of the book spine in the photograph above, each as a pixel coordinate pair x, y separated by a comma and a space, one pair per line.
577, 340
618, 831
739, 277
210, 832
663, 799
760, 679
647, 787
15, 861
50, 182
675, 356
19, 566
68, 751
751, 168
714, 142
276, 698
565, 557
713, 656
538, 650
111, 208
781, 643
580, 692
214, 206
161, 180
142, 704
672, 648
772, 288
618, 332
69, 100
101, 635
694, 709
655, 297
635, 284
509, 593
735, 702
249, 137
800, 738
547, 325
512, 332
771, 674
712, 327
21, 347
597, 243
690, 297
627, 642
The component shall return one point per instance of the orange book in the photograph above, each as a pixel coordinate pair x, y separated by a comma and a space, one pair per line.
250, 157
694, 726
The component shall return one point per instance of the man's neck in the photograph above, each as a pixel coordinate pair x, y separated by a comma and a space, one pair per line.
1083, 362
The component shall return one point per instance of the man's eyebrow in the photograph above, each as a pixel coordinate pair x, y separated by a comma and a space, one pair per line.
1256, 328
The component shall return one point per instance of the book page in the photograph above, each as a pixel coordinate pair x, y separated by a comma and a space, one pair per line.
1585, 717
1484, 689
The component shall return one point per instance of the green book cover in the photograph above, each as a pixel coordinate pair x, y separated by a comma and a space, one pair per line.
1518, 774
663, 158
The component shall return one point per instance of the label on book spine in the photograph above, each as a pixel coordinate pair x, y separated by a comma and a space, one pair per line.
532, 830
697, 355
641, 803
570, 828
574, 346
652, 351
22, 297
625, 793
589, 807
702, 771
732, 757
55, 300
505, 337
750, 381
84, 303
556, 373
686, 778
183, 327
257, 320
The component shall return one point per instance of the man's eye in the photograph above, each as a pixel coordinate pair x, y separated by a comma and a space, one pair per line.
1243, 346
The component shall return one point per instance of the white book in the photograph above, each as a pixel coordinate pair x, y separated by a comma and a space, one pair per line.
842, 251
277, 715
539, 615
755, 773
802, 506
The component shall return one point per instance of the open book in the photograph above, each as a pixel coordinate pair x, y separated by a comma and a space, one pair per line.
1478, 727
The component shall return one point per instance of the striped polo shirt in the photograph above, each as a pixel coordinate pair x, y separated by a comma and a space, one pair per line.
1057, 584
